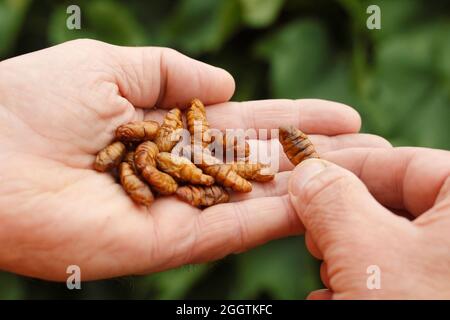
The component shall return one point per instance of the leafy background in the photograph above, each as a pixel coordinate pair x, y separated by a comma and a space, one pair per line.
398, 78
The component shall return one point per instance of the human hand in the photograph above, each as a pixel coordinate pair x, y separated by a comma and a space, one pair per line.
60, 106
350, 227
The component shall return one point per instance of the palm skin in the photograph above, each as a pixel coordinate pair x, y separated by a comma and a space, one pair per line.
60, 106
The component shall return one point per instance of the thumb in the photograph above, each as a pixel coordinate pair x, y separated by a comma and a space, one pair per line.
334, 205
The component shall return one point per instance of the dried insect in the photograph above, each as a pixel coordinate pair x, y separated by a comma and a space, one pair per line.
296, 145
137, 131
170, 131
129, 158
253, 171
134, 186
110, 157
146, 165
200, 196
239, 147
198, 124
159, 181
200, 156
223, 174
182, 169
145, 155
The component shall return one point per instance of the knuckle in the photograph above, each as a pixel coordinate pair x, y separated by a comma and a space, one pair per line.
168, 52
84, 42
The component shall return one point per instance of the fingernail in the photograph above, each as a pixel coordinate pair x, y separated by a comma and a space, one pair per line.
303, 173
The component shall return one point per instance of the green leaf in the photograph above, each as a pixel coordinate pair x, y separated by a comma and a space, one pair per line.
408, 77
428, 125
104, 20
283, 269
396, 16
12, 14
299, 55
199, 26
260, 13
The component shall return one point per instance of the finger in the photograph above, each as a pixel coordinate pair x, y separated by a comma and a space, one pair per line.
149, 76
324, 274
273, 188
262, 151
270, 151
309, 115
402, 178
334, 205
312, 247
322, 294
438, 216
236, 227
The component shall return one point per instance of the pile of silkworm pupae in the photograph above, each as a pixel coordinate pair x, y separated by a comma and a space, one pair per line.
142, 152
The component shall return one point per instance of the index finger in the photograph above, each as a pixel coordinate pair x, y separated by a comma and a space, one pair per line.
313, 116
309, 115
399, 178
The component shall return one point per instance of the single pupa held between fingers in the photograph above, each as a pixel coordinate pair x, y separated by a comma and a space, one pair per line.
110, 157
296, 145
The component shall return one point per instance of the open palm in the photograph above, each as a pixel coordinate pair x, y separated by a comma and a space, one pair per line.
60, 106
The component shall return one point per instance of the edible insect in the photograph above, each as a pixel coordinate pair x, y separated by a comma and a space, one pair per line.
203, 196
198, 124
234, 145
296, 145
159, 181
110, 157
200, 156
182, 169
145, 155
137, 189
137, 131
170, 131
224, 175
253, 171
150, 167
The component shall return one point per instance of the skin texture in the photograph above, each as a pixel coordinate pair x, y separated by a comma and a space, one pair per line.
349, 227
60, 106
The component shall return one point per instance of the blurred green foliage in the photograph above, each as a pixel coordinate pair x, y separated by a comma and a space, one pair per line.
398, 78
